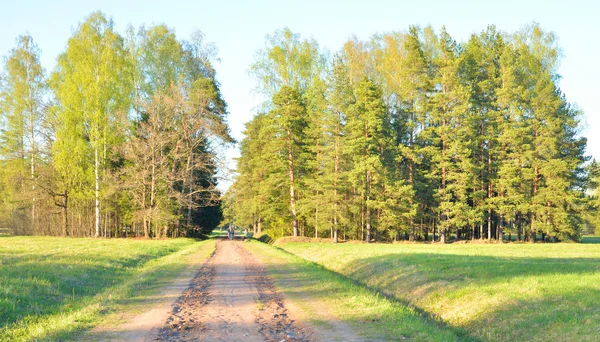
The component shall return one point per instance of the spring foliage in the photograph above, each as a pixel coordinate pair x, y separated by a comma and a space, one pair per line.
413, 135
123, 143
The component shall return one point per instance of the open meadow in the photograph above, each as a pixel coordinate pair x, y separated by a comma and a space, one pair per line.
492, 292
53, 288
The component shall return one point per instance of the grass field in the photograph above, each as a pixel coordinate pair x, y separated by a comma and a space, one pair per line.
54, 288
313, 288
510, 292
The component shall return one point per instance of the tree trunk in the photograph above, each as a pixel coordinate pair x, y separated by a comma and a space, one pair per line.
189, 209
66, 214
32, 162
519, 228
532, 215
97, 191
335, 179
335, 234
410, 175
367, 210
362, 221
292, 194
259, 225
489, 223
500, 227
152, 192
433, 227
317, 221
410, 181
531, 228
489, 191
145, 218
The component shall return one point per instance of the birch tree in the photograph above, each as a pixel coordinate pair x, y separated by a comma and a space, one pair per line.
22, 91
91, 88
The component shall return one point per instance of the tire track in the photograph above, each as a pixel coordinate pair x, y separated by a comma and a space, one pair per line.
231, 299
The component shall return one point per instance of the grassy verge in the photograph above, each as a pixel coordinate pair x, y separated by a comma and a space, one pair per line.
516, 292
316, 291
54, 288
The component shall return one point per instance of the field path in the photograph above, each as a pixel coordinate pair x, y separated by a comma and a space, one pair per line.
230, 299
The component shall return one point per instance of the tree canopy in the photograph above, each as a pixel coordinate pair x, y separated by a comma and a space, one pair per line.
413, 135
123, 144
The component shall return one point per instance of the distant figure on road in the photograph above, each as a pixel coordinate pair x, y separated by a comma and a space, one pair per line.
231, 232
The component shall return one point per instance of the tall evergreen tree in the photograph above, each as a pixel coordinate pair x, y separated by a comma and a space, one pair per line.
452, 139
366, 135
289, 114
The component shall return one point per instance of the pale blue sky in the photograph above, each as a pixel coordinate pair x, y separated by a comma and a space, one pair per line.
238, 28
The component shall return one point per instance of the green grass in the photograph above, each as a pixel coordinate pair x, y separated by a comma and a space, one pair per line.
315, 290
55, 288
509, 292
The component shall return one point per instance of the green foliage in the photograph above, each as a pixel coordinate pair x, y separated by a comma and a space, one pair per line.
22, 91
413, 133
287, 61
93, 96
127, 143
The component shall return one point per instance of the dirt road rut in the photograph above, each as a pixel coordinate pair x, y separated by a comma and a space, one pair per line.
231, 299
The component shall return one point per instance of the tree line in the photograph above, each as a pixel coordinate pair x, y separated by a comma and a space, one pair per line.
120, 139
413, 135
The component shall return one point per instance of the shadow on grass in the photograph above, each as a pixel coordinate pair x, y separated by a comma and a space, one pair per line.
37, 286
565, 316
590, 239
446, 280
426, 271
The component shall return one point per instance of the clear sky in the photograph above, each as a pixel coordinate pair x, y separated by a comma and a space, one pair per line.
238, 28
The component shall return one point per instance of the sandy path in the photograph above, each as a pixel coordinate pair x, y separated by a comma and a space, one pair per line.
231, 299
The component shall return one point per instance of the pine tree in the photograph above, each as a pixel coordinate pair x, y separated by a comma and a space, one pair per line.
414, 87
289, 114
452, 141
482, 75
417, 132
319, 157
340, 97
366, 136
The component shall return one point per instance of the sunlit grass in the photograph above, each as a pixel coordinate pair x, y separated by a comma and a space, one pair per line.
510, 292
372, 316
53, 288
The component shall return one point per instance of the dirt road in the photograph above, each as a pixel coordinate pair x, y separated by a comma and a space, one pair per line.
231, 299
